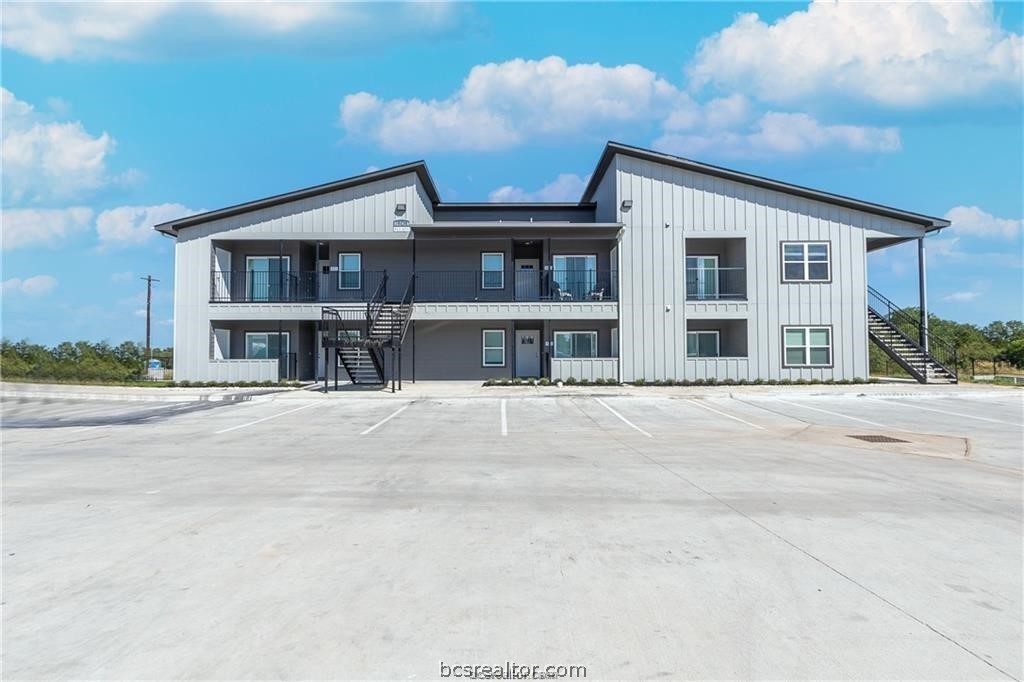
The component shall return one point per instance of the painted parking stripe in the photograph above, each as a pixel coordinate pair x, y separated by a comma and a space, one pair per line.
834, 414
624, 420
724, 414
386, 419
954, 414
258, 421
504, 418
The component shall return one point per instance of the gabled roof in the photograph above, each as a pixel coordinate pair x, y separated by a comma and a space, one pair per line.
171, 227
613, 148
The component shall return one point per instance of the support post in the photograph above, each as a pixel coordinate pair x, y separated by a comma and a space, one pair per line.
413, 350
922, 278
392, 369
335, 368
399, 368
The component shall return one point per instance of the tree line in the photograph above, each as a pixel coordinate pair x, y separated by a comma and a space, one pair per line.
79, 361
996, 342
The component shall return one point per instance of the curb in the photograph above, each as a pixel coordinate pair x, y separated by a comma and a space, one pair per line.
18, 396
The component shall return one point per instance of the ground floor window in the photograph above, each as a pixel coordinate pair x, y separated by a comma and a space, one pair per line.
703, 344
575, 344
807, 346
264, 345
494, 348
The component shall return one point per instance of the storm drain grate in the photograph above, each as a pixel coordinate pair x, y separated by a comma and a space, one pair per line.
871, 438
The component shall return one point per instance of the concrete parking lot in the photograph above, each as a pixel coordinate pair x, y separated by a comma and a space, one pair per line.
719, 535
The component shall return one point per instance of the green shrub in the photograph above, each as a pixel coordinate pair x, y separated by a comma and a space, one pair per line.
544, 381
571, 381
638, 382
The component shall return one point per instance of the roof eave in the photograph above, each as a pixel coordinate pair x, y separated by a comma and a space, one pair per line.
612, 148
171, 227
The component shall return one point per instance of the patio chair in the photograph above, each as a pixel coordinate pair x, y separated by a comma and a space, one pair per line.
596, 295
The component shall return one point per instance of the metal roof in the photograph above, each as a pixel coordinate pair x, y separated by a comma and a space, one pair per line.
613, 148
171, 227
586, 202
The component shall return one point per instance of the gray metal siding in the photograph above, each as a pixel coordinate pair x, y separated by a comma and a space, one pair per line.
670, 204
365, 210
454, 350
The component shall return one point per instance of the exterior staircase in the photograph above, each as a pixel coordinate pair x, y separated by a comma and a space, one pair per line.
359, 363
360, 337
894, 331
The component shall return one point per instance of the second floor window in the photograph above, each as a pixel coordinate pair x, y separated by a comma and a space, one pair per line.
267, 277
492, 270
806, 262
350, 270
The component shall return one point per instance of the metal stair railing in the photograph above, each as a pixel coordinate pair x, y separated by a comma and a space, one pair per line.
333, 327
405, 305
941, 352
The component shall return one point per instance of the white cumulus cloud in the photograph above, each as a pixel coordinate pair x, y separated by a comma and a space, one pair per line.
144, 30
33, 286
566, 187
500, 105
42, 226
893, 53
127, 225
46, 160
971, 220
776, 133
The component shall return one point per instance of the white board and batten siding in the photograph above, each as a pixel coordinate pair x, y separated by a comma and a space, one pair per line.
669, 205
584, 369
360, 212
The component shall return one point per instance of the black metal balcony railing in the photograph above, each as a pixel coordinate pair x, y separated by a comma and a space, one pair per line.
713, 284
522, 285
293, 286
455, 286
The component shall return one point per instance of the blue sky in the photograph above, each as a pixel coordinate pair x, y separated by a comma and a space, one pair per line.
119, 116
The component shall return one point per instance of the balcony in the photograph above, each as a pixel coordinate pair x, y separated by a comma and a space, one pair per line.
565, 286
716, 284
431, 286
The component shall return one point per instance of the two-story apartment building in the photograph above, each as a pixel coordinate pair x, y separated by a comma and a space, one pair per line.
665, 268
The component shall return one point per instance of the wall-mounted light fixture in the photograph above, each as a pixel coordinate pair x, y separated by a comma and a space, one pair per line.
627, 204
399, 209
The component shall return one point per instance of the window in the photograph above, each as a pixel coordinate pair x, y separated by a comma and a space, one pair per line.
702, 277
702, 344
575, 344
492, 270
807, 346
266, 277
494, 348
806, 262
350, 270
264, 345
574, 277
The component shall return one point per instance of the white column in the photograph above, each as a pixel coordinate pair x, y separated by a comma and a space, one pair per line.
922, 280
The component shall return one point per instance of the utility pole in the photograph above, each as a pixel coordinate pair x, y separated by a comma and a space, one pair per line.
149, 303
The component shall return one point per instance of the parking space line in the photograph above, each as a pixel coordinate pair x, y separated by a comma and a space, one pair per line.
504, 418
724, 414
954, 414
273, 416
834, 414
624, 420
386, 419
